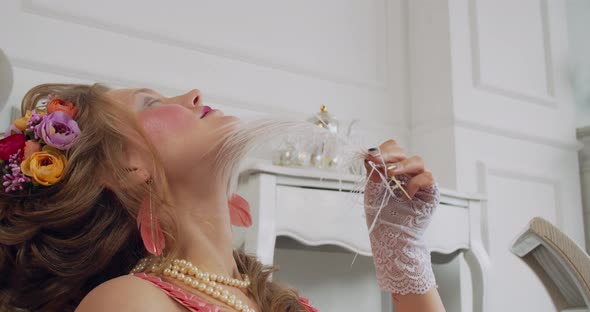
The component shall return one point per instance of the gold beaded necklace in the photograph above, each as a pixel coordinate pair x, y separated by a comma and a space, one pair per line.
204, 282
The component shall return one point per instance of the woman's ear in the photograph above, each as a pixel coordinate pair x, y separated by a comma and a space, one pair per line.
140, 175
134, 176
135, 169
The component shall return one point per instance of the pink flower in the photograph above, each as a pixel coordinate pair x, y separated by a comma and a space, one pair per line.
31, 147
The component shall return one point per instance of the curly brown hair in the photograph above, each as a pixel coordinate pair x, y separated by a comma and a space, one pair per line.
57, 243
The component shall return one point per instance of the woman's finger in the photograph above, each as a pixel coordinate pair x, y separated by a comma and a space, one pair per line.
425, 179
390, 152
413, 165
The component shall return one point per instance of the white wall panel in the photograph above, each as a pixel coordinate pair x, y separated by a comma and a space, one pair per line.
260, 56
519, 185
578, 22
541, 163
511, 49
521, 180
510, 69
514, 199
306, 37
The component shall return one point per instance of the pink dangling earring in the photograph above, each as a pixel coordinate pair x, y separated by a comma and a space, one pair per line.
239, 211
149, 227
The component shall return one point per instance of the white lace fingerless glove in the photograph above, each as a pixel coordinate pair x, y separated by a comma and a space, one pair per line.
401, 258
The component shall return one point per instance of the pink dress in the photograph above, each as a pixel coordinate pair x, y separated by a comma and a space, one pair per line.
191, 301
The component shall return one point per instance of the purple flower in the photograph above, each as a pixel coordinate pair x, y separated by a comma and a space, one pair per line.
58, 130
15, 179
33, 122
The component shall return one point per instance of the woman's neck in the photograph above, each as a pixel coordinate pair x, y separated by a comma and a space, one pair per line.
205, 229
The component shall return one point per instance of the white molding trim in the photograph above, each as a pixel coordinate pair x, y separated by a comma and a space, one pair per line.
319, 242
379, 84
482, 188
573, 145
128, 83
424, 128
355, 249
251, 107
547, 100
484, 171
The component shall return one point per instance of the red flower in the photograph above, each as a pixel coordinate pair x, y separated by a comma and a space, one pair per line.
59, 105
11, 144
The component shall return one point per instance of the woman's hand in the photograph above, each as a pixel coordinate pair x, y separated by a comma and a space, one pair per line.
397, 224
394, 157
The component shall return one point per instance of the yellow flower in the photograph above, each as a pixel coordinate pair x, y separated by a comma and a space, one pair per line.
45, 167
21, 123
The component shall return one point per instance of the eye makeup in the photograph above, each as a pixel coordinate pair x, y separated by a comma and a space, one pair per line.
144, 101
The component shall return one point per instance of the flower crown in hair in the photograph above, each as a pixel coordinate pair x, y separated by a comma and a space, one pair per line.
32, 153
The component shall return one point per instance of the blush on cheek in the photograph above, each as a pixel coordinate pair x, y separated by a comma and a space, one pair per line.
165, 121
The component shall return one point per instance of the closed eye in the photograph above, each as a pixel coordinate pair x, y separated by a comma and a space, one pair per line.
145, 101
151, 102
146, 98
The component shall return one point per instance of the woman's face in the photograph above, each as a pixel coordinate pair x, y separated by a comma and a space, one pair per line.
182, 129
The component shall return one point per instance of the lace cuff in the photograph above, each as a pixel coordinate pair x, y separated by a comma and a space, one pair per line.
401, 258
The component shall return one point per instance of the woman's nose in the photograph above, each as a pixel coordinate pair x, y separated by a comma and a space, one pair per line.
190, 99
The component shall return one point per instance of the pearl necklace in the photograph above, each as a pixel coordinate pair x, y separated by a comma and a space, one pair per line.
204, 282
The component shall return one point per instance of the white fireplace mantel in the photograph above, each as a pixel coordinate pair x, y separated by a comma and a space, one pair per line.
316, 208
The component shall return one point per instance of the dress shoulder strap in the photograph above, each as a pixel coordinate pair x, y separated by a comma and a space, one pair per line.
189, 300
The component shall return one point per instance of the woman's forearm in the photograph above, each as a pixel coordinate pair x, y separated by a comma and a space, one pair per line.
397, 217
428, 302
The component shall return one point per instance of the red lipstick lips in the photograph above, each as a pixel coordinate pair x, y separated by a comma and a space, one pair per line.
204, 111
